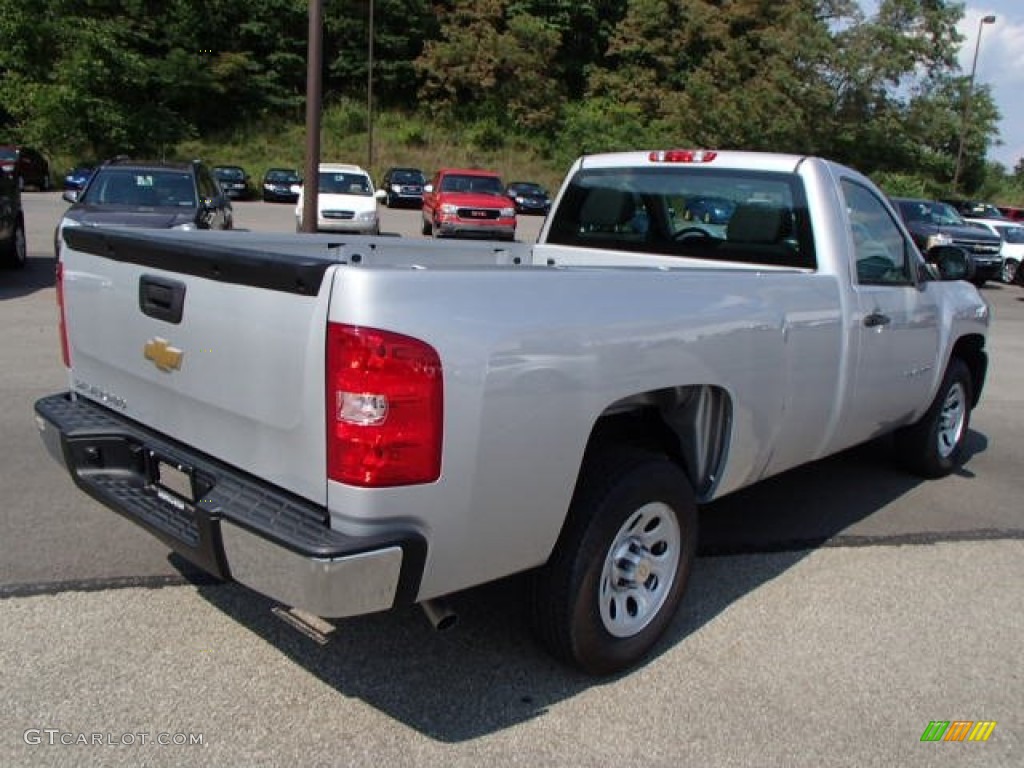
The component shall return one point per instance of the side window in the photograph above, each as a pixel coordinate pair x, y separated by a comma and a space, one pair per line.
881, 252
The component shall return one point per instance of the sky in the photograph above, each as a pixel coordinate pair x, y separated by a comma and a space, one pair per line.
1000, 67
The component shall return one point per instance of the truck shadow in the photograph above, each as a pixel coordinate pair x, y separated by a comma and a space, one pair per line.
38, 275
487, 673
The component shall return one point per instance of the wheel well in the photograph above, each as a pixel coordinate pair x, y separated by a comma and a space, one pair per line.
971, 349
690, 425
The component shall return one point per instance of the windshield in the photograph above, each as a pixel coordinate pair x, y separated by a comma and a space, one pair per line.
528, 189
6, 153
981, 211
930, 212
231, 174
336, 183
141, 188
284, 177
455, 182
407, 177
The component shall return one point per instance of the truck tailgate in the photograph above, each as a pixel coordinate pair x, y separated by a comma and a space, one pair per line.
210, 341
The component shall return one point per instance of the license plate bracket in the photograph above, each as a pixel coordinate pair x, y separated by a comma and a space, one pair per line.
175, 478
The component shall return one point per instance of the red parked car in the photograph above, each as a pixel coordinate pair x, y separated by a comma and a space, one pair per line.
468, 202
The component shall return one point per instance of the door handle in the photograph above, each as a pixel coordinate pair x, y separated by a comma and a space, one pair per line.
876, 320
161, 298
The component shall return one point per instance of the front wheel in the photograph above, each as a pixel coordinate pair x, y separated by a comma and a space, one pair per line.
934, 446
621, 566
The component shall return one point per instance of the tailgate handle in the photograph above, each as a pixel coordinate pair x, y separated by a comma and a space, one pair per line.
161, 298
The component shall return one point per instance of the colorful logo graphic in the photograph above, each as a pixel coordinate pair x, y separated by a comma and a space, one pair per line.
958, 730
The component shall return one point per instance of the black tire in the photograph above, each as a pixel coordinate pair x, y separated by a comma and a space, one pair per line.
14, 254
426, 229
934, 446
622, 563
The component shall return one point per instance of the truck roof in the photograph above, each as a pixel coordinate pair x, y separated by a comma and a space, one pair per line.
766, 161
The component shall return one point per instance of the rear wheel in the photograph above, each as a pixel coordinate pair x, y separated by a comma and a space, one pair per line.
14, 254
934, 446
621, 566
426, 229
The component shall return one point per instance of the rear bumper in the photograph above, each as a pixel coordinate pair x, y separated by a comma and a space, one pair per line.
230, 524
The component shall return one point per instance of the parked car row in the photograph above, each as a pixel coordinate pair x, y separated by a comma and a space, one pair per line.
468, 202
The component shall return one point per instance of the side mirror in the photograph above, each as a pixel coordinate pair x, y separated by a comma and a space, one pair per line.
952, 262
70, 195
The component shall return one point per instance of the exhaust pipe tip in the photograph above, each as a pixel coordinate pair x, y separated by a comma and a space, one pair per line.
439, 614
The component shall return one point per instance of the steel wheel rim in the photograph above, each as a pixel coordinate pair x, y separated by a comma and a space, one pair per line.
1009, 271
639, 569
951, 420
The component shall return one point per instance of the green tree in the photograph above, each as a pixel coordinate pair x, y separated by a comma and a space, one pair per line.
400, 29
493, 65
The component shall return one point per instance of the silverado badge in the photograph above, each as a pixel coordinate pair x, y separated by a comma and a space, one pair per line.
163, 355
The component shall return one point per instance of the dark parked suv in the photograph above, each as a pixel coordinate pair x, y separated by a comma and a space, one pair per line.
127, 193
29, 166
234, 181
403, 186
13, 251
932, 223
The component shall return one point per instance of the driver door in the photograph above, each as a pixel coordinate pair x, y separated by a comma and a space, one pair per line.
894, 328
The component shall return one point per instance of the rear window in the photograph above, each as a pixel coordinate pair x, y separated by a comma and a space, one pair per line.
724, 215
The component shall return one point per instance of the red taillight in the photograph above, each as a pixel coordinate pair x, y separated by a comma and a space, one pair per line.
65, 350
682, 156
384, 408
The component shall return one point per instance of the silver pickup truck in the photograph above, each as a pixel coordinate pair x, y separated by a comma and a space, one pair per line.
347, 424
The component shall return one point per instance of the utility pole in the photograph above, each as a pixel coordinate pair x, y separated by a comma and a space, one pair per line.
314, 102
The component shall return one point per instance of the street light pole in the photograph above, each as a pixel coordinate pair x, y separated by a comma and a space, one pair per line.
990, 19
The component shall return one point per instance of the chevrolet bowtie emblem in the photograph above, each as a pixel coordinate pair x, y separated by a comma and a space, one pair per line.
163, 355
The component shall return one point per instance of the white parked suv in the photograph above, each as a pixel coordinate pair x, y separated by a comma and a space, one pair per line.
346, 201
1012, 251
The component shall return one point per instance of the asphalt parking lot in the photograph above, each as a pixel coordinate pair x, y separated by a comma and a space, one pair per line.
837, 611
